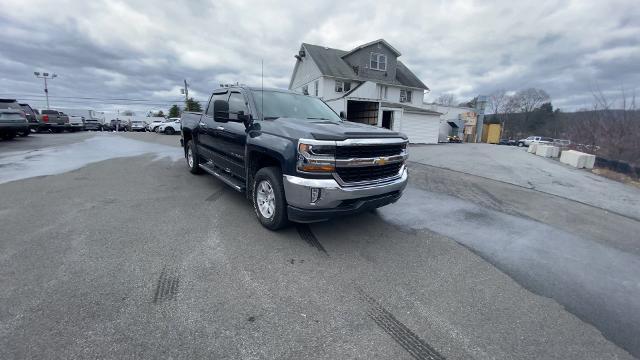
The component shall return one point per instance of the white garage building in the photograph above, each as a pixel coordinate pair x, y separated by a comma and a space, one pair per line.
369, 85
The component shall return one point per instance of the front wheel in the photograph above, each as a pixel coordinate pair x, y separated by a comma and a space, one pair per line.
25, 133
520, 144
169, 131
269, 202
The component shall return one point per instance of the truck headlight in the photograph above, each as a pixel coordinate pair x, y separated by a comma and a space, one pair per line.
316, 158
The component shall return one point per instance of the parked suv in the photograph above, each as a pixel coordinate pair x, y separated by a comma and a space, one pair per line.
12, 119
293, 156
170, 127
76, 123
137, 125
32, 117
535, 139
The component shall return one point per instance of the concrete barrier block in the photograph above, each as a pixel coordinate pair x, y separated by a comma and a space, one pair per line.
556, 151
573, 158
532, 148
544, 150
590, 161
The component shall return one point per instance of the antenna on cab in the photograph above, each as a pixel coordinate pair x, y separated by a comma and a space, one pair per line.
262, 87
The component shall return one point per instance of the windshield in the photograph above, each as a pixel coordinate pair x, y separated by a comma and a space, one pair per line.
9, 105
284, 104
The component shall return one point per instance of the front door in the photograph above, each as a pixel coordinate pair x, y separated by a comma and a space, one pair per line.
230, 138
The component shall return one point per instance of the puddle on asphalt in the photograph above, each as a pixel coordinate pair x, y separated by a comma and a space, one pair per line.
61, 159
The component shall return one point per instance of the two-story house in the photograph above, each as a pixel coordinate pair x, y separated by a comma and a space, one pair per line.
369, 85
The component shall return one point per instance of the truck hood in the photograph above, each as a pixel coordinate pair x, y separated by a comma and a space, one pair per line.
325, 129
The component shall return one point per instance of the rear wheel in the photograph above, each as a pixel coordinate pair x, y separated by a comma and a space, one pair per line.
520, 144
269, 202
193, 160
25, 133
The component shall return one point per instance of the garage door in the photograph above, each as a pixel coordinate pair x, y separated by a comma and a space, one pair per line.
420, 128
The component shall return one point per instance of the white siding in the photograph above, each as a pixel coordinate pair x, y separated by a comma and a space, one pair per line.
305, 73
420, 128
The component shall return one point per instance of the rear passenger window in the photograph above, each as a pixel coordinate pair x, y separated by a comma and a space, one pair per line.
237, 104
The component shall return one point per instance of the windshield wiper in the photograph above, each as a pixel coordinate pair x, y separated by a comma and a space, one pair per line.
317, 118
271, 117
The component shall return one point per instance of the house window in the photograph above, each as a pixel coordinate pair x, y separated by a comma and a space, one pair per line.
316, 86
378, 62
383, 92
342, 86
405, 95
305, 90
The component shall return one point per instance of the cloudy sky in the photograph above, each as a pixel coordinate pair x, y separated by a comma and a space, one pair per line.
141, 51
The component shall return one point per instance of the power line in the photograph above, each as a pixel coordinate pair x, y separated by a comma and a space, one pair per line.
90, 98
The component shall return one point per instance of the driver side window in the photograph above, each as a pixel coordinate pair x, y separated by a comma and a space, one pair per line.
214, 97
237, 104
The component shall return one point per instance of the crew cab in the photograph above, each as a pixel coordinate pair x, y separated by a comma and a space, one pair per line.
535, 139
54, 120
293, 156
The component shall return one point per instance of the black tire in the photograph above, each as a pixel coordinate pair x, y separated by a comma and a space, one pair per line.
273, 176
25, 133
520, 144
194, 165
169, 131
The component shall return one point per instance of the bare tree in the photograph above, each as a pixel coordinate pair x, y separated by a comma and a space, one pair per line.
127, 113
498, 101
527, 100
446, 100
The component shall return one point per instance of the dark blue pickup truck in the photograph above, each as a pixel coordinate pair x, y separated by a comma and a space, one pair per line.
293, 156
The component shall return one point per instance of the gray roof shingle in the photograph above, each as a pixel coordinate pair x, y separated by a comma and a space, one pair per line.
331, 63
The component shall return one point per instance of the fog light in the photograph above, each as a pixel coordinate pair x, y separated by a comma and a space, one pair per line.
315, 195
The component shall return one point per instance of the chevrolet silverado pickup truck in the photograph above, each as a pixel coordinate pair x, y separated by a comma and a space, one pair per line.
293, 156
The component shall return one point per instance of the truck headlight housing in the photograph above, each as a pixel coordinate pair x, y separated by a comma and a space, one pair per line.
314, 158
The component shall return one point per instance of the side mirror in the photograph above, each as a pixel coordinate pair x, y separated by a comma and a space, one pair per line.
220, 111
343, 116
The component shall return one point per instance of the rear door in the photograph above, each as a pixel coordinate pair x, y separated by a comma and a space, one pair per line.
204, 132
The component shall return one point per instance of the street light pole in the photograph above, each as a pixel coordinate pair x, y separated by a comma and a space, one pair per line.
45, 76
185, 91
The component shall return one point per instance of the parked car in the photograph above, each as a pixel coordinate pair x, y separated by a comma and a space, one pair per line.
54, 120
454, 139
32, 117
92, 125
297, 160
136, 125
76, 123
13, 120
118, 125
534, 139
153, 126
170, 127
562, 142
508, 142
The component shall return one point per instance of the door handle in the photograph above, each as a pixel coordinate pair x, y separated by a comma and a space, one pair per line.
220, 128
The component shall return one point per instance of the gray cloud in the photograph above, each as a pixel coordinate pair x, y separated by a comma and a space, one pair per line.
143, 50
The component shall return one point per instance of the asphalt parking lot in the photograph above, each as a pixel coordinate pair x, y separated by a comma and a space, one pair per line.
110, 248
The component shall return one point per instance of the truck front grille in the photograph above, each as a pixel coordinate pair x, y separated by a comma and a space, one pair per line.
368, 151
368, 173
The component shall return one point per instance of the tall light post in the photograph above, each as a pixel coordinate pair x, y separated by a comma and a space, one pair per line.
45, 76
185, 91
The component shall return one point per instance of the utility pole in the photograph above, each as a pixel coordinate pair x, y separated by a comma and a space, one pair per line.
185, 91
45, 76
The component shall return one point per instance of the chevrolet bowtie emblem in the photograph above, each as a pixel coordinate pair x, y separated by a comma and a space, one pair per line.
379, 161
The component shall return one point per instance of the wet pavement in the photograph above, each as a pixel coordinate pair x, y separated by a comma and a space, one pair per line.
116, 257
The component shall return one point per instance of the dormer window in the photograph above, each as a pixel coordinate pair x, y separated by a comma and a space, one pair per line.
378, 62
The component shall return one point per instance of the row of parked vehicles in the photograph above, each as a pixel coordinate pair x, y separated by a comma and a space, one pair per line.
535, 140
19, 119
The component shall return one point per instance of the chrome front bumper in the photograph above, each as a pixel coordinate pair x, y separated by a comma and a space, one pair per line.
298, 191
